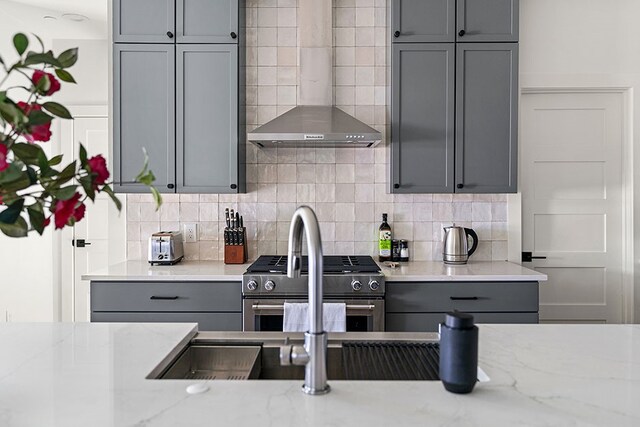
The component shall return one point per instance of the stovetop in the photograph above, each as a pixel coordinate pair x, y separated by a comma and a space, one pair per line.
333, 264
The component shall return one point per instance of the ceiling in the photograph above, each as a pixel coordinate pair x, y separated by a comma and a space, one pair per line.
93, 9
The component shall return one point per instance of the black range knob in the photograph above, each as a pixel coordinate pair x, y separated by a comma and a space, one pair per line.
396, 185
462, 33
396, 34
460, 185
170, 186
233, 35
169, 34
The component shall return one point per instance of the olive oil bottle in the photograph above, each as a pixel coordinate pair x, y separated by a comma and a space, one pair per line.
384, 240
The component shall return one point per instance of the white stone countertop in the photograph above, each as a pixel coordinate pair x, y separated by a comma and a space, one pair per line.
94, 375
423, 271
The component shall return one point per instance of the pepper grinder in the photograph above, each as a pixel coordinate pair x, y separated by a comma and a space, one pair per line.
458, 352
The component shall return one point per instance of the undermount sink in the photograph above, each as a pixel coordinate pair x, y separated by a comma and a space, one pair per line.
347, 359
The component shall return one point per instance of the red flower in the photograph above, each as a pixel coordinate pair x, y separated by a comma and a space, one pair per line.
36, 132
98, 166
3, 157
67, 209
54, 84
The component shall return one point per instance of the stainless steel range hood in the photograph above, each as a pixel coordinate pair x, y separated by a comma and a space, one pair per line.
315, 126
315, 122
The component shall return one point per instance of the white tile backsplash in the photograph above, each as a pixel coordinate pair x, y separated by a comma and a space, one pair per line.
347, 187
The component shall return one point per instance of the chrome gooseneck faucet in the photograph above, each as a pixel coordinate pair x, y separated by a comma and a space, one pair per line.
314, 352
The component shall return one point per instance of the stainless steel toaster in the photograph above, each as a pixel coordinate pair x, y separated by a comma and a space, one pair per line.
165, 248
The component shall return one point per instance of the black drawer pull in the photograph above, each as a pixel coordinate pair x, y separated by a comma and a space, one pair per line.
464, 298
156, 297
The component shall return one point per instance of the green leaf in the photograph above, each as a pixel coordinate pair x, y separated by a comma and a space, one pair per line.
39, 118
39, 41
87, 185
64, 193
12, 114
11, 214
43, 85
55, 160
17, 229
41, 58
36, 217
111, 194
1, 60
43, 162
157, 197
57, 110
83, 157
21, 42
65, 76
68, 57
33, 176
24, 181
10, 174
67, 173
28, 153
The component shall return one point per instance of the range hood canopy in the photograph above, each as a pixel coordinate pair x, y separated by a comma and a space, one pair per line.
315, 122
315, 126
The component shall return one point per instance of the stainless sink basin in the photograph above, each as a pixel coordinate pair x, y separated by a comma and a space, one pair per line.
225, 356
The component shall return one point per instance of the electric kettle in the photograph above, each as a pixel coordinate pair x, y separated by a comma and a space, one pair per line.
456, 245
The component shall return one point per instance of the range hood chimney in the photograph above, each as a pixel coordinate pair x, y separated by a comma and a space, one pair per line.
315, 122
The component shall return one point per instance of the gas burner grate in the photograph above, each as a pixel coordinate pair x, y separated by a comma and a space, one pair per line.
333, 264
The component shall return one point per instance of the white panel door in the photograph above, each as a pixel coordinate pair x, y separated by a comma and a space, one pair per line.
94, 229
572, 204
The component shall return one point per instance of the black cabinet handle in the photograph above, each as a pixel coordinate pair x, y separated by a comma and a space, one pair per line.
462, 33
169, 34
396, 185
528, 257
161, 298
460, 185
233, 186
80, 243
463, 298
396, 34
233, 35
170, 186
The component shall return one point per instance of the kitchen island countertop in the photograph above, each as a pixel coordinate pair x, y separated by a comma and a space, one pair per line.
94, 374
415, 271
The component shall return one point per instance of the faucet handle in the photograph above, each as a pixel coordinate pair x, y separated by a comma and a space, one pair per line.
293, 355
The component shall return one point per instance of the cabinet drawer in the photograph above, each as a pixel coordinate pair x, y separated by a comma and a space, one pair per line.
438, 297
166, 296
428, 322
205, 321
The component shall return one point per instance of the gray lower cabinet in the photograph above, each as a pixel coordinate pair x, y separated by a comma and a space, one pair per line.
423, 114
486, 117
207, 21
143, 114
421, 306
422, 21
214, 306
487, 20
143, 21
207, 118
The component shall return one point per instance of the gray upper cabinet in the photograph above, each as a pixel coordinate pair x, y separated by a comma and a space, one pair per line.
207, 21
487, 20
486, 117
422, 155
423, 21
144, 21
207, 119
144, 114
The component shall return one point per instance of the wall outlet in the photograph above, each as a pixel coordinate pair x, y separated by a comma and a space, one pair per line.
190, 233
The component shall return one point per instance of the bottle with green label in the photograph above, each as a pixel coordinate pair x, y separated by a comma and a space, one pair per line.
384, 240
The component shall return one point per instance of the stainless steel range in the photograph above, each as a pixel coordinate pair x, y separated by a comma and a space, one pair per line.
355, 280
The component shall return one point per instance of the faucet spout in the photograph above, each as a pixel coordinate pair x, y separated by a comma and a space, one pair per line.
315, 341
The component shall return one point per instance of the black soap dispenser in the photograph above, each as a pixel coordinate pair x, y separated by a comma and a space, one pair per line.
458, 352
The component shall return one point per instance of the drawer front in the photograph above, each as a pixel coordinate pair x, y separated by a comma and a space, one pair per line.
428, 322
205, 321
166, 296
436, 297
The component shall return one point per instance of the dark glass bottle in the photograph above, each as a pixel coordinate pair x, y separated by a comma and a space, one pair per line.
384, 240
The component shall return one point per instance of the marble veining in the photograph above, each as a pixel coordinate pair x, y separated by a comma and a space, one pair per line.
94, 374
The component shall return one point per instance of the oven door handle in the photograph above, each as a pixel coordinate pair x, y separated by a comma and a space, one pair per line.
367, 307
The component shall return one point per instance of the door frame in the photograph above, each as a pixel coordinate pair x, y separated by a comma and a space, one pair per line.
514, 203
65, 260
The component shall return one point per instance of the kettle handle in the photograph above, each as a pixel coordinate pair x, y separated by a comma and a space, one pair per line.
474, 236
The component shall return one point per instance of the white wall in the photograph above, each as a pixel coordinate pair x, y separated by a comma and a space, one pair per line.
30, 276
578, 43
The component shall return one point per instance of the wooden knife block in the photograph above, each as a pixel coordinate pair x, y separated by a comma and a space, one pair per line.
237, 254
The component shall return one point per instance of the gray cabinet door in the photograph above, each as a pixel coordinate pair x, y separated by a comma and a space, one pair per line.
207, 128
429, 322
207, 21
144, 114
205, 321
144, 21
423, 21
487, 20
422, 126
486, 117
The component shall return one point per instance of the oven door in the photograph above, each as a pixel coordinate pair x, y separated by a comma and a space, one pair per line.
268, 314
